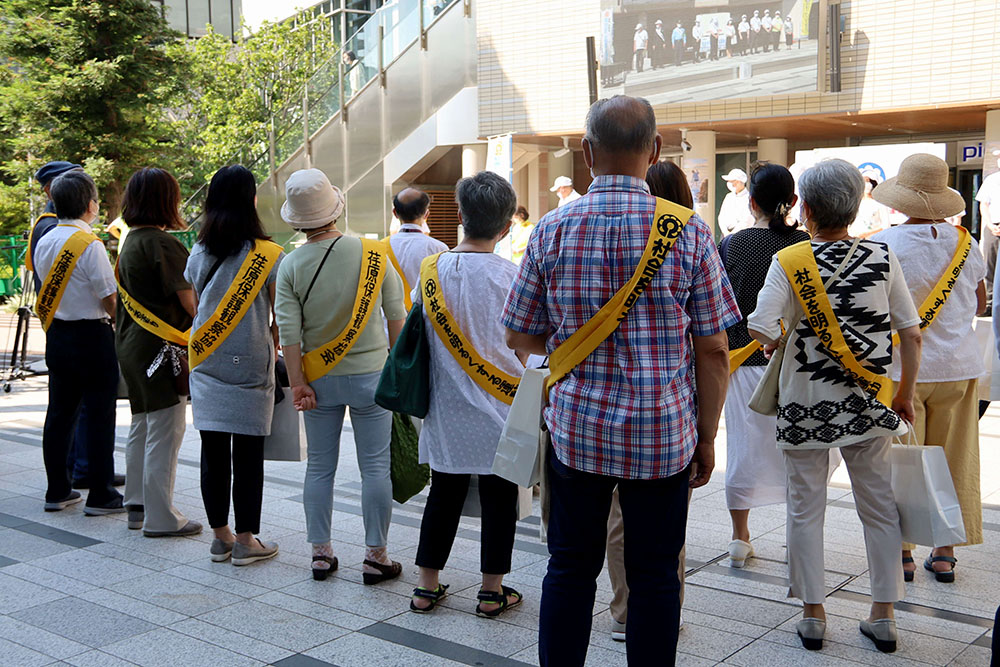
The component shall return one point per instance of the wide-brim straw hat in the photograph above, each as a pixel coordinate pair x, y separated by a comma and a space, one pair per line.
310, 200
920, 190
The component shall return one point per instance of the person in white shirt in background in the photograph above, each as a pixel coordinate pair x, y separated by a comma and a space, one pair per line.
696, 33
755, 31
988, 197
873, 217
640, 40
563, 186
744, 31
765, 31
735, 212
412, 243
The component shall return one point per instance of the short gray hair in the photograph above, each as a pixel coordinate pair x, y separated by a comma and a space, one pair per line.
832, 189
72, 193
487, 203
621, 124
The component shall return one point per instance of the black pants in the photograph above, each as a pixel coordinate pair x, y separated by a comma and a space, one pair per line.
83, 371
246, 475
678, 52
443, 510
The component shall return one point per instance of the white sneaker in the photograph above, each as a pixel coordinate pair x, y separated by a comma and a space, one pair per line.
739, 551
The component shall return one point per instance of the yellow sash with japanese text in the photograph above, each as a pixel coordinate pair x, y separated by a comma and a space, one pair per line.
495, 382
800, 267
235, 303
54, 285
669, 220
407, 301
738, 357
938, 296
147, 320
317, 363
28, 262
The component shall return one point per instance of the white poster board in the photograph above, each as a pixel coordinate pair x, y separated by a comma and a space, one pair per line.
500, 156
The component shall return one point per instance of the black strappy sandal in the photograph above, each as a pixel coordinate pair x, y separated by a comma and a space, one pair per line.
434, 596
944, 577
907, 574
499, 599
321, 573
386, 572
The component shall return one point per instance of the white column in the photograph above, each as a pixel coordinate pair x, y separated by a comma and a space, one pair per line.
701, 158
473, 159
773, 150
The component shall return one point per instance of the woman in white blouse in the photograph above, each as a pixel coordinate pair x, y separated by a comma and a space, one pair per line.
820, 406
462, 428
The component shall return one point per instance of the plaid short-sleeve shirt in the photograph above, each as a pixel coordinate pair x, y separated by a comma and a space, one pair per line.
629, 409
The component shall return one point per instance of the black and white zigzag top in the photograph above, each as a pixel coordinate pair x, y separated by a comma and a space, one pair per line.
818, 405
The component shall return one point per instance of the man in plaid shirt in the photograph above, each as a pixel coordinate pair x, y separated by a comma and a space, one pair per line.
630, 415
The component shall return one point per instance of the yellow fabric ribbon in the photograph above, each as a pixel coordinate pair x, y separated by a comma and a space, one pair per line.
407, 301
738, 357
235, 303
938, 296
669, 220
147, 320
800, 267
54, 285
28, 262
317, 363
492, 380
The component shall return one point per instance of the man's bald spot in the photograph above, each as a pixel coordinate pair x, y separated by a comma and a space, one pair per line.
621, 124
411, 204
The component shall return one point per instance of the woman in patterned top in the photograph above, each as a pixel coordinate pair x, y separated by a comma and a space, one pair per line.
820, 406
755, 471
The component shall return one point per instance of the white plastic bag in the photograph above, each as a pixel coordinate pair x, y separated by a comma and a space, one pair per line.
287, 441
929, 513
517, 458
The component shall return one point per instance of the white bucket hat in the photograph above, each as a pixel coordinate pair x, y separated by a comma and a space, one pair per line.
736, 175
561, 182
310, 200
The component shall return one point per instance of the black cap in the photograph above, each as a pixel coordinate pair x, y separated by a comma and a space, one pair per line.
52, 169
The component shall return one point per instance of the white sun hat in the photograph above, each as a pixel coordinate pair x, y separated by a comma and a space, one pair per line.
310, 200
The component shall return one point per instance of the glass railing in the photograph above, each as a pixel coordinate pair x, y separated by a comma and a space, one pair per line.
336, 80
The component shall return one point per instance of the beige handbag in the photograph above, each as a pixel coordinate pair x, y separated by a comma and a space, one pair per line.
764, 400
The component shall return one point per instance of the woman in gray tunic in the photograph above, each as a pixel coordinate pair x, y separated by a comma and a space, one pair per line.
232, 389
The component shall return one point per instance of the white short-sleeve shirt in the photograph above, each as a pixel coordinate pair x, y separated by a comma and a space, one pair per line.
92, 278
411, 246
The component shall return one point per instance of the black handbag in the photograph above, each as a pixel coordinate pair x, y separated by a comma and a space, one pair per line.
405, 382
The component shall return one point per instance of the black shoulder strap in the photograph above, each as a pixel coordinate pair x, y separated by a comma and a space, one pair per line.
724, 248
211, 272
320, 268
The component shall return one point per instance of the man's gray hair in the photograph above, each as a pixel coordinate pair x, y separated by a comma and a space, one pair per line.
71, 193
487, 203
621, 124
832, 189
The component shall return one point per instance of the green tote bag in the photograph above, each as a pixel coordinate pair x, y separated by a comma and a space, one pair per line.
405, 382
408, 475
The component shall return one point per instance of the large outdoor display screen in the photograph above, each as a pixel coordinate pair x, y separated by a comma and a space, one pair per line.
671, 51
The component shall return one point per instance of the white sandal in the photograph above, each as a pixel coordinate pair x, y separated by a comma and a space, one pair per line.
739, 552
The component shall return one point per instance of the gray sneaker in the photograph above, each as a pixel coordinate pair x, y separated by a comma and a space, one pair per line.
190, 528
57, 505
221, 551
244, 554
135, 518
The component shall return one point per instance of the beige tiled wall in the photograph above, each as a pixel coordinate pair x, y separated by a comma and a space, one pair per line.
895, 54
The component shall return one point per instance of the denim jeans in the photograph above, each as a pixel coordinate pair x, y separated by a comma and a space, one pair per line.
654, 512
372, 432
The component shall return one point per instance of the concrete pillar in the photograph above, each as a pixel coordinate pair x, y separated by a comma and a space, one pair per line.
701, 159
473, 159
773, 150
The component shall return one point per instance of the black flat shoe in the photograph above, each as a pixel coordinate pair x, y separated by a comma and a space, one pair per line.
947, 577
386, 572
321, 573
907, 574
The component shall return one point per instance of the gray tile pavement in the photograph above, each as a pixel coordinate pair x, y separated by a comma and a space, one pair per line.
88, 592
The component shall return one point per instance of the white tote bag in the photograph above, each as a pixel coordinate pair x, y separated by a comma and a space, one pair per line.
287, 441
523, 436
929, 513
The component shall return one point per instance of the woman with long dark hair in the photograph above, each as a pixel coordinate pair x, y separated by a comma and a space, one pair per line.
232, 269
755, 470
150, 272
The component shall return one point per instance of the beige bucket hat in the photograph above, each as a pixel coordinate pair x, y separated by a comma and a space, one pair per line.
310, 200
920, 190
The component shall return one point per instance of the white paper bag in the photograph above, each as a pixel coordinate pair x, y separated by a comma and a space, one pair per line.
517, 459
287, 441
989, 382
524, 508
929, 513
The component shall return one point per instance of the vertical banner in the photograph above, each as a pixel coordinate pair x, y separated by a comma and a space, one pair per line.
500, 156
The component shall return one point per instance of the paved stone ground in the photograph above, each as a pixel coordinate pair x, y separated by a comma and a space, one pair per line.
87, 591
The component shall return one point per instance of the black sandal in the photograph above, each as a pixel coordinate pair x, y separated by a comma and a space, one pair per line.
907, 574
386, 572
321, 573
944, 577
499, 599
433, 595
